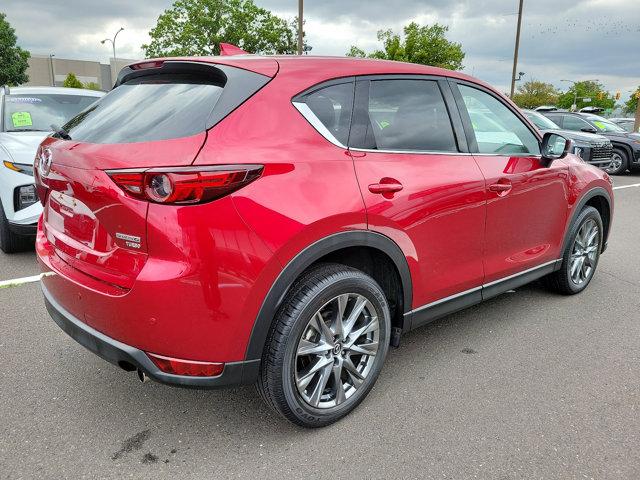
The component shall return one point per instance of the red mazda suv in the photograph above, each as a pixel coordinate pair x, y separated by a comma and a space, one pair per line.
283, 220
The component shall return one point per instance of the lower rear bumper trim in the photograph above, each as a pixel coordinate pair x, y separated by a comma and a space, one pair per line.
113, 351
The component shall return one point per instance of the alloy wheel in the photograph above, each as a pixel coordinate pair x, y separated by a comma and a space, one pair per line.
616, 163
337, 350
584, 254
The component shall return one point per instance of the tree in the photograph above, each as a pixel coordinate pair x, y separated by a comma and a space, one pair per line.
91, 86
13, 59
534, 93
421, 44
72, 81
592, 89
631, 105
196, 27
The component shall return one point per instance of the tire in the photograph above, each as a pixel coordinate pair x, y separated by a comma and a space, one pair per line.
9, 241
569, 280
287, 380
619, 162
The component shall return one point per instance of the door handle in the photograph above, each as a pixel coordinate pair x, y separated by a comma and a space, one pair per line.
502, 187
386, 185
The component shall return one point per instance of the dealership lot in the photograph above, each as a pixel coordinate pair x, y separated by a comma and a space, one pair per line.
528, 385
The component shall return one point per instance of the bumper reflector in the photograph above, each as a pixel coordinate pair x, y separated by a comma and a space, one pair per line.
190, 368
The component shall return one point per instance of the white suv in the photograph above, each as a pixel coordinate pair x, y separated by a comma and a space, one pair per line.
27, 116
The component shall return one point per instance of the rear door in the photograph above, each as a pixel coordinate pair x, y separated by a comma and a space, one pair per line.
526, 197
419, 186
155, 117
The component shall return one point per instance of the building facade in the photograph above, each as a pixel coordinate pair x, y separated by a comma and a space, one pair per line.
45, 70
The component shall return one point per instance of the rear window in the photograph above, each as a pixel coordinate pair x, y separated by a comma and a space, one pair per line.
38, 111
149, 108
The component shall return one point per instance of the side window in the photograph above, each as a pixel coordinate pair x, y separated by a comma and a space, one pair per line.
332, 106
405, 115
497, 129
574, 123
557, 119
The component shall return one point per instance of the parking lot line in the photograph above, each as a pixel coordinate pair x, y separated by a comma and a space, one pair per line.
627, 186
21, 281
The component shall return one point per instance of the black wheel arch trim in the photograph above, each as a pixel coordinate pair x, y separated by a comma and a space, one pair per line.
317, 250
594, 192
627, 149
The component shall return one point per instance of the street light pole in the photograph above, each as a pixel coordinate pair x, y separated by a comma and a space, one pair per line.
575, 91
113, 42
53, 74
300, 22
515, 51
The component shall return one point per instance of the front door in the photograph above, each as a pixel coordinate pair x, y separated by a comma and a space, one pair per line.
526, 197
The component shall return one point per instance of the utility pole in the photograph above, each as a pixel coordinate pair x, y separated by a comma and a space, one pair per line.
636, 126
515, 52
300, 22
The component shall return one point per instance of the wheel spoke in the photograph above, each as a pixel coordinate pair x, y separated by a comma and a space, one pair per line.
338, 324
337, 374
369, 348
356, 334
305, 347
306, 378
352, 371
318, 390
361, 302
322, 328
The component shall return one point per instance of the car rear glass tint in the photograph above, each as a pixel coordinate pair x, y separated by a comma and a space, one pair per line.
332, 105
407, 115
149, 108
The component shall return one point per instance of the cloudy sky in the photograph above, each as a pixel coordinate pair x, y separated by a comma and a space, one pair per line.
561, 39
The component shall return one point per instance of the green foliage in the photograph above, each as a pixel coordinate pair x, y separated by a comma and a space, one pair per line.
13, 59
589, 89
534, 93
92, 86
72, 81
421, 44
196, 27
631, 105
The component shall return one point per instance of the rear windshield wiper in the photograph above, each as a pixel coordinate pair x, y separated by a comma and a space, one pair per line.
60, 132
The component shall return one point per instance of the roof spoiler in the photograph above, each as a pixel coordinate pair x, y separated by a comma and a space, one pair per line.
227, 49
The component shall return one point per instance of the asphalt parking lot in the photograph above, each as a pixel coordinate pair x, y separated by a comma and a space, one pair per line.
528, 385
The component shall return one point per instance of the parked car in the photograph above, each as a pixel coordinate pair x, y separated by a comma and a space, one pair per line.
626, 146
26, 116
283, 220
594, 149
626, 124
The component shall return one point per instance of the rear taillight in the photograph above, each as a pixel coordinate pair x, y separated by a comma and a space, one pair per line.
176, 366
185, 185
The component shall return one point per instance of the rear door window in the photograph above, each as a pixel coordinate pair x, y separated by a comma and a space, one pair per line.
574, 123
406, 115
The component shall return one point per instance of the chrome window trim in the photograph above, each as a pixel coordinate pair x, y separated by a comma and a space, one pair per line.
484, 285
308, 114
438, 152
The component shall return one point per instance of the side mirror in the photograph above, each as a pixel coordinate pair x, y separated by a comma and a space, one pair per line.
589, 130
554, 146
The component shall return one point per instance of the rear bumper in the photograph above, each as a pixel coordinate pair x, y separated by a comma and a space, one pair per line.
124, 355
